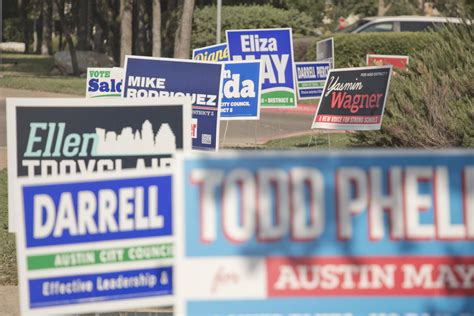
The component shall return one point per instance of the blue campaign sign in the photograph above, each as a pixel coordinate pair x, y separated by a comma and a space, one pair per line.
218, 52
241, 91
347, 233
60, 217
159, 77
274, 47
311, 77
92, 243
100, 287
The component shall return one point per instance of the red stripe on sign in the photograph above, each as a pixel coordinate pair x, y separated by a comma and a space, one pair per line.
348, 119
367, 276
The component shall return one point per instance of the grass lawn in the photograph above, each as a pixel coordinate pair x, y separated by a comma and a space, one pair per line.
318, 140
8, 275
32, 72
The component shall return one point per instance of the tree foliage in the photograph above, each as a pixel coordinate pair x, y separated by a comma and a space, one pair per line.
432, 103
246, 17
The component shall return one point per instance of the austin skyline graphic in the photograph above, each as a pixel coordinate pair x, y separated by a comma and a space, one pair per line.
136, 143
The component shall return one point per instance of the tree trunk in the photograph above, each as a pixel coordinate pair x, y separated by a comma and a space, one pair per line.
142, 30
183, 47
39, 29
46, 45
61, 31
101, 22
82, 27
382, 9
156, 30
26, 25
70, 43
125, 29
135, 28
114, 29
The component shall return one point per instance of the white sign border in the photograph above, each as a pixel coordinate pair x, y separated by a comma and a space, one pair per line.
246, 118
216, 149
292, 60
312, 63
13, 103
333, 59
352, 127
104, 306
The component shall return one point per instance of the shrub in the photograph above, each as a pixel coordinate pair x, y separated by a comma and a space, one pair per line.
350, 50
246, 17
432, 103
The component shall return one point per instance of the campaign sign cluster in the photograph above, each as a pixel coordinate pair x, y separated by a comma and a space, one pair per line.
353, 99
311, 77
241, 90
360, 233
274, 47
218, 52
95, 243
104, 82
147, 77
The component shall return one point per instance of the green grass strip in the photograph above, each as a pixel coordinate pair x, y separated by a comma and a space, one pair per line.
102, 256
311, 84
108, 95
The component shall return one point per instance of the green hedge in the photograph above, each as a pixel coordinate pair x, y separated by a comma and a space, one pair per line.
432, 103
350, 50
246, 17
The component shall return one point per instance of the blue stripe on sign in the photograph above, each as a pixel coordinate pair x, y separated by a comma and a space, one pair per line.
340, 306
99, 287
65, 229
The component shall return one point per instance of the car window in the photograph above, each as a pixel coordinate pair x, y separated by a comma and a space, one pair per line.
414, 26
378, 27
353, 26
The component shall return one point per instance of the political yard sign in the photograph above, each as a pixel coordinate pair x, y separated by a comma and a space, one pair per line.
362, 233
148, 77
218, 52
95, 243
325, 51
104, 82
82, 136
311, 77
353, 99
241, 90
274, 47
397, 61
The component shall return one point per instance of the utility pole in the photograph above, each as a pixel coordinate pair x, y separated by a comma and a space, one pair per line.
218, 31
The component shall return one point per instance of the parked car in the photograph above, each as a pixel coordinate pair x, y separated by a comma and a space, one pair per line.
398, 24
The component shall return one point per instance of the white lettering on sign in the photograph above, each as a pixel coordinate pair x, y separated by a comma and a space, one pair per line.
146, 82
235, 88
333, 276
279, 62
96, 213
254, 43
271, 203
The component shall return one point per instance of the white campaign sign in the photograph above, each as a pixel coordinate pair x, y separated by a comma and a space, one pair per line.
104, 82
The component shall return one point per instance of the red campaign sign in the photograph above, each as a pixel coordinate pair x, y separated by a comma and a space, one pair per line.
368, 276
353, 99
397, 61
